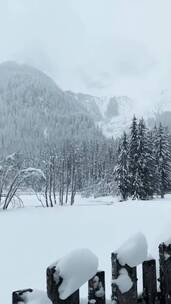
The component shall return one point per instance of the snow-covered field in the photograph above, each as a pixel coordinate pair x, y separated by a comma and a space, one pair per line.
33, 238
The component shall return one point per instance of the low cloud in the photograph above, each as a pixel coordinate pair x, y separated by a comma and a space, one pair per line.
99, 47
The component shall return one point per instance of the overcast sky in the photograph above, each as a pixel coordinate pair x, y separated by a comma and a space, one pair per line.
103, 47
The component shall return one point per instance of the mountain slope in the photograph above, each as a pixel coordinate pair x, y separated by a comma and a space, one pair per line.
112, 114
36, 113
117, 115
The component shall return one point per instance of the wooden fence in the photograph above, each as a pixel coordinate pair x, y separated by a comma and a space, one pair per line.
96, 286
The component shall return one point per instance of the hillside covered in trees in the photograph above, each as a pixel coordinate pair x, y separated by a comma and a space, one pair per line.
36, 113
43, 127
51, 142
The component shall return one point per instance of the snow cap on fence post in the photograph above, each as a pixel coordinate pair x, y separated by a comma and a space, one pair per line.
18, 295
124, 273
31, 296
124, 282
74, 270
134, 251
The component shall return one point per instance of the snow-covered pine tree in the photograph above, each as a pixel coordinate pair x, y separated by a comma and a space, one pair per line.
145, 163
163, 158
154, 145
133, 159
121, 169
153, 177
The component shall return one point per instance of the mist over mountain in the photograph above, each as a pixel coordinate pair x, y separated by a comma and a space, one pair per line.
35, 112
114, 48
111, 114
85, 150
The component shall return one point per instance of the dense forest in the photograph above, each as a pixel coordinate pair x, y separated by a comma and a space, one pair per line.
51, 143
137, 165
144, 162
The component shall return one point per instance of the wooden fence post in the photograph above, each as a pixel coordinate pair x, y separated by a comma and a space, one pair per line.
17, 296
53, 283
129, 297
149, 281
165, 272
96, 289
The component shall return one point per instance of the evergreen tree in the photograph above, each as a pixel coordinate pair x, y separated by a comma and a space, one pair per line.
163, 158
121, 170
133, 159
143, 167
145, 164
154, 144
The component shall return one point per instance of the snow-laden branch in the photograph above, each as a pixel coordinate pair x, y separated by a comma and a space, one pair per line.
18, 180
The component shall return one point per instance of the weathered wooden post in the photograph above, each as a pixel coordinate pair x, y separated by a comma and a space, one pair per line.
18, 296
149, 281
96, 289
129, 297
53, 283
165, 272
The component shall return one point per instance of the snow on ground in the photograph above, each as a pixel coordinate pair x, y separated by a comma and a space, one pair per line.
33, 238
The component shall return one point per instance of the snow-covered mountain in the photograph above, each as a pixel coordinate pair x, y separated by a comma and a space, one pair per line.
36, 113
112, 114
28, 96
117, 113
33, 106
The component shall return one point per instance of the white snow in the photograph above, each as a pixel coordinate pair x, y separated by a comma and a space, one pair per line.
97, 283
166, 256
76, 268
123, 281
167, 242
34, 171
32, 238
134, 251
36, 297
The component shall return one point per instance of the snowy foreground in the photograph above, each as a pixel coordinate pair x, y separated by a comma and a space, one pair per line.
33, 238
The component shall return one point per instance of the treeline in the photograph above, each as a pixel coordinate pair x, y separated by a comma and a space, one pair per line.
59, 172
138, 166
86, 168
144, 162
